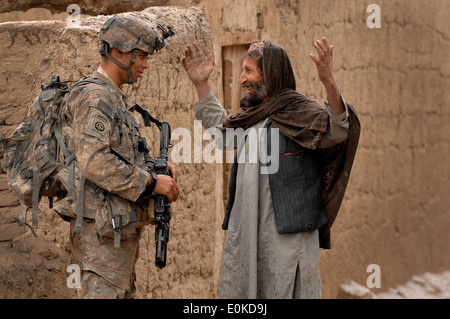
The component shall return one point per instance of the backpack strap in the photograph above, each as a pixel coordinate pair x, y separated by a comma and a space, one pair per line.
62, 145
35, 199
80, 208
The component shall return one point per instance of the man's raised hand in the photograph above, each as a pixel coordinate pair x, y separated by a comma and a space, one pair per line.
324, 62
197, 69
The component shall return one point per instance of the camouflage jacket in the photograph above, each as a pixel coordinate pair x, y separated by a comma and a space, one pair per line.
103, 131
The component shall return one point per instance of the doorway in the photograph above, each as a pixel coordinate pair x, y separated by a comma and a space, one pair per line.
232, 94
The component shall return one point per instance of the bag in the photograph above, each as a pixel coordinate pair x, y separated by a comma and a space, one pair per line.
31, 153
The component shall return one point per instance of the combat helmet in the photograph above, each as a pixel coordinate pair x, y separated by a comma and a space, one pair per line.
128, 33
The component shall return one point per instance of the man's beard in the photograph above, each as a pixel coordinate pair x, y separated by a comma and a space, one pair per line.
259, 92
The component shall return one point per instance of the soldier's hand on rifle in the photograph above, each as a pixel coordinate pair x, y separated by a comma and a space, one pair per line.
172, 171
167, 186
197, 69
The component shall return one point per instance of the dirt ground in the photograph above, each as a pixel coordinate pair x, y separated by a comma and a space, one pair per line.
39, 274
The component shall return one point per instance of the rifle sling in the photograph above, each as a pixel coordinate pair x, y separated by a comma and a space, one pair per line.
146, 116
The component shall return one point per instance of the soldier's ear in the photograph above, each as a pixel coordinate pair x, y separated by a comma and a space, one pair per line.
116, 53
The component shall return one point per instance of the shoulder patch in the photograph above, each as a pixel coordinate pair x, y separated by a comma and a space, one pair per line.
99, 125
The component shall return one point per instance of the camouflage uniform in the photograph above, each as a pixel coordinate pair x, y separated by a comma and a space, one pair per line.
101, 118
103, 132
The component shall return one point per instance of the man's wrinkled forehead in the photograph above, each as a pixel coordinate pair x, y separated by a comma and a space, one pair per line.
249, 63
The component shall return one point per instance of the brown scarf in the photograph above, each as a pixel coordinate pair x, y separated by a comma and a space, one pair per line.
293, 114
304, 121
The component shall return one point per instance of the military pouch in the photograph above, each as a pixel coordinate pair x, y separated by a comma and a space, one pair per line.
116, 219
9, 152
18, 164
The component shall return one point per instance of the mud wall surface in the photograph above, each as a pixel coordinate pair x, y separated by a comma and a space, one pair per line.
395, 213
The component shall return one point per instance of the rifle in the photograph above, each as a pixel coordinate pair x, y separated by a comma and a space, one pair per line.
162, 205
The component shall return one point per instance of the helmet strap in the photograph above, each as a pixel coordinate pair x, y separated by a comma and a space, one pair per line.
135, 52
132, 80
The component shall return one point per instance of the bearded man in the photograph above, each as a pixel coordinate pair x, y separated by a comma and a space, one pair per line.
277, 221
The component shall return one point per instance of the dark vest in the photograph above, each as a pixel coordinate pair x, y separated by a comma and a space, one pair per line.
295, 188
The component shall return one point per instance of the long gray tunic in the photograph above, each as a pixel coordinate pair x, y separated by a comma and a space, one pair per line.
257, 261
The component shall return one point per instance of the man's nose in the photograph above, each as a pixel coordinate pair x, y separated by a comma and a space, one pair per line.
242, 78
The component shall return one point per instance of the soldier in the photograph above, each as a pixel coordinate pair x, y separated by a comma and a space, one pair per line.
112, 170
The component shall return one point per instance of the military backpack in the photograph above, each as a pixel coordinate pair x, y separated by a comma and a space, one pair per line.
36, 156
35, 152
31, 152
